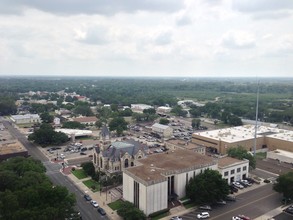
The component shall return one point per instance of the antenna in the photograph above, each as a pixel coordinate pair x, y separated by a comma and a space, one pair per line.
256, 119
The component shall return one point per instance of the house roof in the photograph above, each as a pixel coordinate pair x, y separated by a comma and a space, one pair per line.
118, 149
85, 119
160, 126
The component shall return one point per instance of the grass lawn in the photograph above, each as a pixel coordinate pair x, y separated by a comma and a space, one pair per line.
93, 185
115, 205
80, 174
261, 155
189, 205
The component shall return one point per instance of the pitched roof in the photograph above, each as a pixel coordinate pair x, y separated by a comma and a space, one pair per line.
85, 119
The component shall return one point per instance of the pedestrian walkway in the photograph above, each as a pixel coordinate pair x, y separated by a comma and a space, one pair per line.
269, 215
102, 198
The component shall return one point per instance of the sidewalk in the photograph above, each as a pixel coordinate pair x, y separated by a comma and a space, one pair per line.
269, 215
101, 197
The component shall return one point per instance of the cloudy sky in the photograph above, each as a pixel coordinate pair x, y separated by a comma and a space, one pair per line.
195, 38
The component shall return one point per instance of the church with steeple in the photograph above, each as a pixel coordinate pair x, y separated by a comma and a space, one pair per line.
113, 157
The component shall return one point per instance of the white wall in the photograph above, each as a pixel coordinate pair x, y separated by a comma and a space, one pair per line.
237, 175
155, 197
128, 188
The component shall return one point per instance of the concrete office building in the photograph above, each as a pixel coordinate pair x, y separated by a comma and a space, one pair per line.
157, 179
164, 131
270, 138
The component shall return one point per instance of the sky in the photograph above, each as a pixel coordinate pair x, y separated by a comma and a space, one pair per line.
154, 38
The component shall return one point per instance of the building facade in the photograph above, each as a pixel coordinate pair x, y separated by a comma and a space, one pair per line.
116, 156
160, 178
270, 138
26, 119
164, 131
233, 169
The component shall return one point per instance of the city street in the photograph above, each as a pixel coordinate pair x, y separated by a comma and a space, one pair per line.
53, 172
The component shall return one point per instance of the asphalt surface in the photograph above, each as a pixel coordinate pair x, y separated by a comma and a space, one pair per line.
53, 172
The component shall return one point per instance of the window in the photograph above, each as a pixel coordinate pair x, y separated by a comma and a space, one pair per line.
244, 168
232, 171
226, 173
238, 170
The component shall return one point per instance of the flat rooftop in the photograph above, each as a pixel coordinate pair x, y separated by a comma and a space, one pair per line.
246, 132
75, 132
10, 147
228, 161
184, 144
157, 167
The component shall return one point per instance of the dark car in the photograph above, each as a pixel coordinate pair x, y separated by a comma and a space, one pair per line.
87, 197
82, 153
101, 211
233, 189
230, 198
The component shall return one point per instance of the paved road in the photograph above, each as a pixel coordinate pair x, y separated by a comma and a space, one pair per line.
253, 203
53, 172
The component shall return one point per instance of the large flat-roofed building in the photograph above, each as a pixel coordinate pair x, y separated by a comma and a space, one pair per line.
175, 144
25, 119
220, 140
140, 107
159, 178
86, 120
164, 131
12, 148
233, 169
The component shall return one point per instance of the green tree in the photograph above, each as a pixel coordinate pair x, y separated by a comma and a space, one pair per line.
7, 105
164, 121
31, 195
73, 125
241, 153
195, 123
118, 124
129, 212
47, 136
89, 168
46, 117
207, 187
178, 110
284, 185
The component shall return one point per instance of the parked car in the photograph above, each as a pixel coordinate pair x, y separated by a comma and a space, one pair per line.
238, 185
205, 207
230, 198
82, 153
94, 203
233, 189
289, 209
236, 218
245, 182
176, 218
221, 202
203, 215
87, 197
101, 211
243, 217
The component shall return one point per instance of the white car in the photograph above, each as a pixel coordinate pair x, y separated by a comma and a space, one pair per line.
238, 185
236, 218
203, 215
95, 204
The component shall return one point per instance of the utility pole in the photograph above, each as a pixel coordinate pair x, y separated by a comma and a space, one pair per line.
256, 119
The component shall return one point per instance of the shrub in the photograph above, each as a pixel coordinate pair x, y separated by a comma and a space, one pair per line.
159, 213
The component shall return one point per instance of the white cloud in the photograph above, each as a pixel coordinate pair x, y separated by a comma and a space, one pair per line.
238, 40
149, 38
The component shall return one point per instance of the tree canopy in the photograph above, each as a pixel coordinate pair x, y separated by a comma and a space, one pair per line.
207, 187
46, 135
129, 212
118, 124
27, 193
284, 185
73, 125
241, 153
164, 121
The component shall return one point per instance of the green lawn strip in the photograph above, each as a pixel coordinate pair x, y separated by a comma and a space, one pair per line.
189, 205
91, 184
80, 174
115, 205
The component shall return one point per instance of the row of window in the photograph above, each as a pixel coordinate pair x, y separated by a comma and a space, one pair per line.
238, 170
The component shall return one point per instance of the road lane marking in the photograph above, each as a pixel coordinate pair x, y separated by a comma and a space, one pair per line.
255, 201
